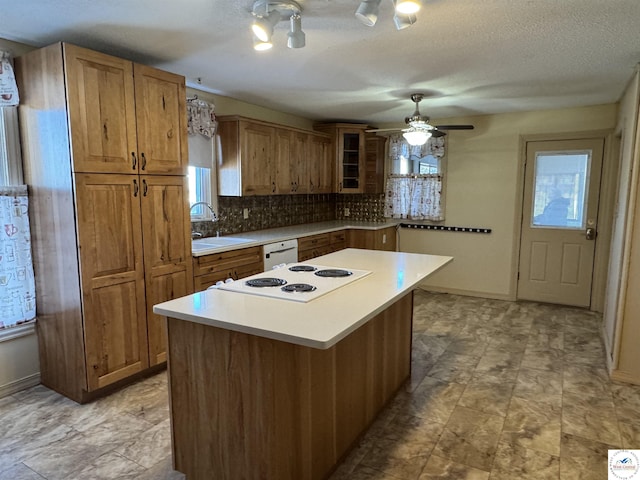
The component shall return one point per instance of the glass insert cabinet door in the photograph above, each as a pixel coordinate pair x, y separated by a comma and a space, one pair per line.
560, 190
351, 161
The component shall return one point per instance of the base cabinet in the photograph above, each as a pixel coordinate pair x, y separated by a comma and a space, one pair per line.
249, 407
218, 267
321, 244
109, 212
383, 239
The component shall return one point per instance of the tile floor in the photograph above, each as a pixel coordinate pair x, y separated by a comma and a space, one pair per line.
499, 390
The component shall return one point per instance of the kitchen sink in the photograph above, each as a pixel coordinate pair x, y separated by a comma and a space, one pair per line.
216, 242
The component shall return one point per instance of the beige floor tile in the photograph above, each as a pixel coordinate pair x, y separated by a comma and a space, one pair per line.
592, 417
516, 462
582, 459
439, 468
533, 425
470, 437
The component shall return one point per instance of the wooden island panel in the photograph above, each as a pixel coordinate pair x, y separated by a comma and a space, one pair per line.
249, 407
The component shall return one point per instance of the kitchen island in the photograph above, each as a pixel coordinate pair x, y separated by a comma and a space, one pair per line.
268, 388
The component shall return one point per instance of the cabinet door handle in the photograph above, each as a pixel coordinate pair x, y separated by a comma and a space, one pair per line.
311, 185
134, 160
135, 188
143, 164
273, 185
145, 188
340, 187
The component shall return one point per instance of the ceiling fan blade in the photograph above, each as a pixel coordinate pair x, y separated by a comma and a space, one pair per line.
454, 127
437, 133
384, 130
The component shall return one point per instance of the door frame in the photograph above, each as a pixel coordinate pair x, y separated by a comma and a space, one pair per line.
606, 207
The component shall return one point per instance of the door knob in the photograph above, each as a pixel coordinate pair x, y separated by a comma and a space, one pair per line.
591, 234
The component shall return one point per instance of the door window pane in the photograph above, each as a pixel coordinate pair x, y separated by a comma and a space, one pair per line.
560, 189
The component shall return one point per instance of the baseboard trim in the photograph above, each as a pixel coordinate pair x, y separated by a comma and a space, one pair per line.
21, 384
620, 376
468, 293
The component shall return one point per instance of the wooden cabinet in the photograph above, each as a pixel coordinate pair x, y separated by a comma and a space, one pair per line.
259, 158
320, 161
321, 244
349, 155
166, 234
125, 117
104, 146
234, 264
383, 239
374, 163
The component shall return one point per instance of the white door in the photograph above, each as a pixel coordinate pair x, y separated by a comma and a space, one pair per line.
559, 221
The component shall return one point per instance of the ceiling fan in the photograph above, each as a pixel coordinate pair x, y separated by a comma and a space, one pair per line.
420, 130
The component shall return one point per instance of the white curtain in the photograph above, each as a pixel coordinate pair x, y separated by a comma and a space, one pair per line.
415, 197
17, 285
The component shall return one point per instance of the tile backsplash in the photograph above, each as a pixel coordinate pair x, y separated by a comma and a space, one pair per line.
272, 211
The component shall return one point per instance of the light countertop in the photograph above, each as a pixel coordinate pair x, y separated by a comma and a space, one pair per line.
322, 322
208, 245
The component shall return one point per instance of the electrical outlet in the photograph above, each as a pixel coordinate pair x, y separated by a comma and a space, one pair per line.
245, 213
346, 212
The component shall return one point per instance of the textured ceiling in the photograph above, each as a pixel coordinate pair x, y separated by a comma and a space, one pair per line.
469, 57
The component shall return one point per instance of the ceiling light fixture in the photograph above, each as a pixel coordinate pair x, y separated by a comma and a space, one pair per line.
407, 7
267, 15
367, 12
416, 136
402, 20
404, 12
296, 37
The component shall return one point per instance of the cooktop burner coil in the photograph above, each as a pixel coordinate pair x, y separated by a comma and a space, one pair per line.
266, 282
298, 288
303, 268
333, 272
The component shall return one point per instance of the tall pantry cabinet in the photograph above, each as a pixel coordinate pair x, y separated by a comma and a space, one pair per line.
105, 158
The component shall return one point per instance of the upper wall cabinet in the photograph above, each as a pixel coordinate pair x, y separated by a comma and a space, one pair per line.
124, 117
261, 158
349, 155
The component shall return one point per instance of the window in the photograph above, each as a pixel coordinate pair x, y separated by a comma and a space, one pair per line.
560, 189
414, 187
202, 177
10, 156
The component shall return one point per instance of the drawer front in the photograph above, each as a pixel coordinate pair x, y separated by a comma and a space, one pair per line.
338, 237
226, 261
304, 255
314, 241
203, 282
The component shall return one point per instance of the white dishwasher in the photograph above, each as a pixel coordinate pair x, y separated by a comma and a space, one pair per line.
275, 254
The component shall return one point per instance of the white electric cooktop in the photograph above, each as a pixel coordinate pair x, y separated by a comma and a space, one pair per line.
299, 282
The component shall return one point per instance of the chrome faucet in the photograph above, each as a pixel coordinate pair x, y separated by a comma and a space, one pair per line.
214, 217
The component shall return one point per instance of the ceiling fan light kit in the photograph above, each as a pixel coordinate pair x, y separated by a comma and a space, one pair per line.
267, 15
420, 130
415, 136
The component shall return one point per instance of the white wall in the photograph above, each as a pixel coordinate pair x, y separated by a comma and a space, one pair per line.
625, 130
483, 189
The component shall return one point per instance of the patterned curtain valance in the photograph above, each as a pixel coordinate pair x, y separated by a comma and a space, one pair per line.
8, 87
201, 117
